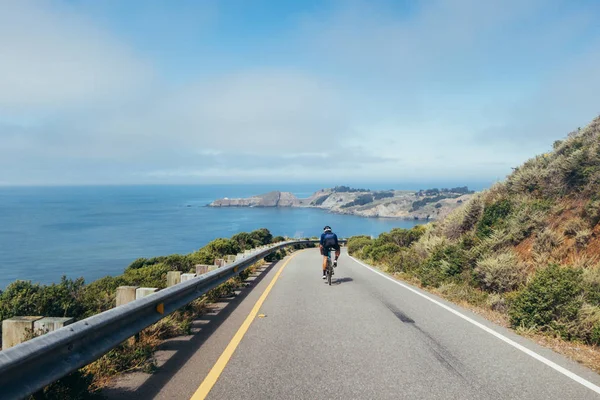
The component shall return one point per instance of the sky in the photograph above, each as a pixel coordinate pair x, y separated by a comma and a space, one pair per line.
256, 91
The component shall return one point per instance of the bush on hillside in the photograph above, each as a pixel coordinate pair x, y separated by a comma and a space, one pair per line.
445, 262
573, 226
591, 284
551, 299
382, 195
357, 243
360, 200
587, 325
501, 272
546, 241
380, 252
493, 217
154, 276
402, 237
591, 212
405, 260
56, 300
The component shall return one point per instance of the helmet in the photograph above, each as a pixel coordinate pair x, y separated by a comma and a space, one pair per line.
327, 228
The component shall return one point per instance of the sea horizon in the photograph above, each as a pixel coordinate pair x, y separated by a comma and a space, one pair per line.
91, 231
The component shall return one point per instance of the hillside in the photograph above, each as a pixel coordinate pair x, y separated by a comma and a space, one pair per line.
527, 248
423, 205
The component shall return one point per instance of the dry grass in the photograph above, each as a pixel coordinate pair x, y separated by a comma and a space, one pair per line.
584, 354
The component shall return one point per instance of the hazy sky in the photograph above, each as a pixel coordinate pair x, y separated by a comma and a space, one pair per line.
95, 92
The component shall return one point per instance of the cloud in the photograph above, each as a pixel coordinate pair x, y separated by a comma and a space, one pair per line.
459, 89
54, 59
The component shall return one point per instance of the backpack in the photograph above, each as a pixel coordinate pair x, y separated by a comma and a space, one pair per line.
329, 240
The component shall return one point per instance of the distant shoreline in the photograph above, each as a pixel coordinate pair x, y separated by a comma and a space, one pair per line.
423, 205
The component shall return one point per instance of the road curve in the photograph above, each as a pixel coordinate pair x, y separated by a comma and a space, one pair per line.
364, 337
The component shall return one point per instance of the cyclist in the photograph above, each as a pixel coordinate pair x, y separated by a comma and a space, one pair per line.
328, 242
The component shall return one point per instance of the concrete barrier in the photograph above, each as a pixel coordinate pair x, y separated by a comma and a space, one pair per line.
239, 256
230, 259
125, 294
50, 324
144, 291
173, 278
187, 277
201, 269
16, 329
219, 262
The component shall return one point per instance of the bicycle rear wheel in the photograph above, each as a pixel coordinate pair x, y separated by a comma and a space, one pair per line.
329, 268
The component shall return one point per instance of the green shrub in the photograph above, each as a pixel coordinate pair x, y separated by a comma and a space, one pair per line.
261, 237
423, 202
528, 218
55, 300
401, 237
383, 195
501, 272
150, 276
276, 256
445, 262
591, 285
222, 246
360, 200
19, 298
550, 299
347, 189
178, 262
357, 243
142, 262
493, 217
591, 212
99, 295
381, 252
587, 325
241, 241
405, 260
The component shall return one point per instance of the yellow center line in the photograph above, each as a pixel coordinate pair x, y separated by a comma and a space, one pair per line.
221, 363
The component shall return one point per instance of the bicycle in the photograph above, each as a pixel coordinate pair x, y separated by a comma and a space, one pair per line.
329, 269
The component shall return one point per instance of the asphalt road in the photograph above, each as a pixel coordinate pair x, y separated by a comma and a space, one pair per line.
367, 337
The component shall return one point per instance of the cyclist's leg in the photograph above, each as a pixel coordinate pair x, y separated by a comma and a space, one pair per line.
324, 262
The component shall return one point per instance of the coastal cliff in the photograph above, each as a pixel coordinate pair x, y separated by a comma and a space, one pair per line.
422, 205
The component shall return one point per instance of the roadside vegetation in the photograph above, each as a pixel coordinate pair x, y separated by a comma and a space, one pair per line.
74, 298
527, 249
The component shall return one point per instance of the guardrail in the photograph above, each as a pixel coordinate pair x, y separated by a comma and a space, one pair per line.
30, 366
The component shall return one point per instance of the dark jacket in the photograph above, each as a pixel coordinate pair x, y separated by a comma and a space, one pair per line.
336, 246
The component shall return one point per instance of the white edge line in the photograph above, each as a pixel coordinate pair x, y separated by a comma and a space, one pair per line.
516, 345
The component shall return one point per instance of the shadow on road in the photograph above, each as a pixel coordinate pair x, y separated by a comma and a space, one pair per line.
184, 347
335, 281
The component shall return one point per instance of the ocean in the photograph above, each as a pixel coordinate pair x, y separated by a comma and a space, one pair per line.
94, 231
